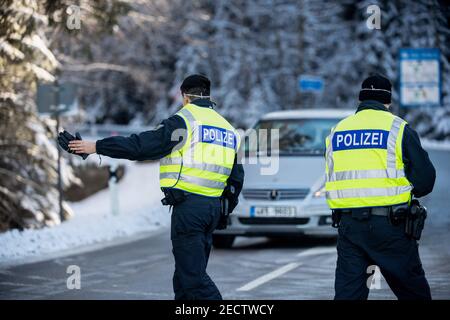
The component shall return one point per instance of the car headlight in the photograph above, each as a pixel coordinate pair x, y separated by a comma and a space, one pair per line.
320, 193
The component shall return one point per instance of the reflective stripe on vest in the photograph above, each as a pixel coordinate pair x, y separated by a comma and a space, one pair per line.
194, 180
205, 161
367, 192
201, 166
367, 174
354, 188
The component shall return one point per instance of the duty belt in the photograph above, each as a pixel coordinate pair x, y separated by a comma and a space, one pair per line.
376, 211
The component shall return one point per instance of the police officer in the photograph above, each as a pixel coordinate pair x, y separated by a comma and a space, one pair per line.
198, 149
374, 164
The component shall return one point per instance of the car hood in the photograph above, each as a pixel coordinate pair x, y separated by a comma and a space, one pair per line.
293, 172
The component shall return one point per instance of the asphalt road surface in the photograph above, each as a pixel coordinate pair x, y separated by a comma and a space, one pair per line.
256, 268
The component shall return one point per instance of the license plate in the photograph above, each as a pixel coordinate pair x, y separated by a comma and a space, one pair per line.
278, 211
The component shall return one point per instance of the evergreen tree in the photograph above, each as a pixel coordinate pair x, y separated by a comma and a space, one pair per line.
28, 176
28, 197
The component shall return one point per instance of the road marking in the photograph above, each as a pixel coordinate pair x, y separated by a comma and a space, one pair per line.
315, 251
269, 276
284, 269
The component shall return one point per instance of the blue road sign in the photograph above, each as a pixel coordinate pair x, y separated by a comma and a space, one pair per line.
311, 84
420, 77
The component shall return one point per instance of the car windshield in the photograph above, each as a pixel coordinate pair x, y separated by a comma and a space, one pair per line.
296, 137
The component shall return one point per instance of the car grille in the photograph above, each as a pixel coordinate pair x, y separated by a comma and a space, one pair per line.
260, 221
275, 194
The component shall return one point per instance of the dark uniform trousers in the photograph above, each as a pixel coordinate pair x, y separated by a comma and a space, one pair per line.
193, 222
375, 241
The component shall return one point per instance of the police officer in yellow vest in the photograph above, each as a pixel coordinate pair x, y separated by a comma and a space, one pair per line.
197, 149
374, 165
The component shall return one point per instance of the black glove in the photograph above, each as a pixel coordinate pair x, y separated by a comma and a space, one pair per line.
230, 194
65, 137
228, 202
224, 214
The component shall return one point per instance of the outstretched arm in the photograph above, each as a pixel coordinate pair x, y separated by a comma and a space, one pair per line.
149, 145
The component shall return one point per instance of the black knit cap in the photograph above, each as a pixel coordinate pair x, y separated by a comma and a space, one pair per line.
196, 81
376, 88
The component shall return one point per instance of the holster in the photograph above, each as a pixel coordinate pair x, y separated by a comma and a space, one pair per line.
398, 214
335, 218
172, 196
415, 220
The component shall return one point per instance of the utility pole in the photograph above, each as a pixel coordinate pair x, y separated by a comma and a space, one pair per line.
301, 46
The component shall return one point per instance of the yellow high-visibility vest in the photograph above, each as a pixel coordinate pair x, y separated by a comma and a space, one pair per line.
364, 166
204, 162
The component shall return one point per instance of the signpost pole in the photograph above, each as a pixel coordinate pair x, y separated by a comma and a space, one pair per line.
53, 99
57, 116
112, 183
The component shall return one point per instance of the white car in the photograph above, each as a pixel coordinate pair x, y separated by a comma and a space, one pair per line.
283, 191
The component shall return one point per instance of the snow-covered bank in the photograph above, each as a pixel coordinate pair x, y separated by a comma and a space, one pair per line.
435, 145
93, 223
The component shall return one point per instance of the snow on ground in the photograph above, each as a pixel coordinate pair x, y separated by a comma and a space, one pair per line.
435, 144
93, 224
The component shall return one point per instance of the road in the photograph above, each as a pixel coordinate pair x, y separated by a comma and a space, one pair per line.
256, 268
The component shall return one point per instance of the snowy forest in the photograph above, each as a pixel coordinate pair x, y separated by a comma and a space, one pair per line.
253, 51
128, 58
